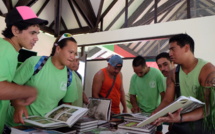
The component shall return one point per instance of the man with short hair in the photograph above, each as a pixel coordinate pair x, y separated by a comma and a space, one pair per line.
197, 79
22, 28
146, 88
164, 63
82, 98
107, 83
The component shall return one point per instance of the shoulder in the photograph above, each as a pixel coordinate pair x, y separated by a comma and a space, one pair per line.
99, 74
207, 75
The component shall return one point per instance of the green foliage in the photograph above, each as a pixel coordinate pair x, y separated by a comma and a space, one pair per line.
207, 94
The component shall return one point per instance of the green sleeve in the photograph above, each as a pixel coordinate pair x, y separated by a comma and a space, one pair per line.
25, 71
72, 93
3, 67
132, 88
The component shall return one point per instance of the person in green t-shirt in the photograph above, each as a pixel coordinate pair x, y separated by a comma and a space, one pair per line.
82, 98
165, 64
22, 29
146, 87
197, 79
50, 81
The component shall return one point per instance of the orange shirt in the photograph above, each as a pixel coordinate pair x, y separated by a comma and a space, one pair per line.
115, 94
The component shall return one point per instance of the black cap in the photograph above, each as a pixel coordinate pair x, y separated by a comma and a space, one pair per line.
23, 13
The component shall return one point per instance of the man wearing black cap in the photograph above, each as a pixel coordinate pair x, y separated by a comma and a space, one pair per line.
22, 28
107, 83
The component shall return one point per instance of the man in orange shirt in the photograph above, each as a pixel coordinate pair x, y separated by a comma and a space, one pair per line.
107, 83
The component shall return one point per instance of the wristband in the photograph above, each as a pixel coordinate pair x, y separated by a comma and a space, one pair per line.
181, 118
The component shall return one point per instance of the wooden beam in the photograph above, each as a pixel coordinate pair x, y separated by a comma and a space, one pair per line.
188, 9
86, 10
126, 14
42, 7
58, 12
155, 10
147, 18
118, 16
78, 31
31, 3
8, 4
24, 2
75, 14
99, 13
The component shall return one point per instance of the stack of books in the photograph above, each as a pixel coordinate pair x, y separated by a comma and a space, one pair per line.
131, 127
137, 117
85, 124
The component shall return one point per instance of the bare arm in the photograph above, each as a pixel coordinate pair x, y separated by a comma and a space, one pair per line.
123, 97
207, 79
11, 91
170, 92
85, 99
97, 84
133, 100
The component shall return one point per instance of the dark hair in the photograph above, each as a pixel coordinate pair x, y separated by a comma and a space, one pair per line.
7, 32
163, 55
61, 43
182, 40
139, 61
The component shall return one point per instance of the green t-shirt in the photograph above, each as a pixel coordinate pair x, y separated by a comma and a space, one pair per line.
147, 89
51, 84
189, 83
8, 63
79, 101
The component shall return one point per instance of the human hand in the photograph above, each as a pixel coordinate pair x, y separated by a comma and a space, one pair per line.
124, 110
19, 111
135, 109
171, 117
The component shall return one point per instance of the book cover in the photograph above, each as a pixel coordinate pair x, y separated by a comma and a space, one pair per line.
63, 115
187, 103
31, 130
133, 126
99, 108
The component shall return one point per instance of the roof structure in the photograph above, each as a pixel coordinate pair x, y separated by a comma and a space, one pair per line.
88, 16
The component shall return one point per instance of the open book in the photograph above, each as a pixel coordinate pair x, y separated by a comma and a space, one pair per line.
63, 115
187, 103
99, 108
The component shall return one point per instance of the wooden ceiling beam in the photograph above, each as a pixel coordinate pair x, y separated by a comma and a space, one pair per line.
42, 7
118, 16
99, 12
86, 10
8, 4
25, 2
58, 12
75, 14
78, 30
148, 17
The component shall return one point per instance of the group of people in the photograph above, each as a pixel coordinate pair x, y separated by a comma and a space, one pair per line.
41, 82
181, 73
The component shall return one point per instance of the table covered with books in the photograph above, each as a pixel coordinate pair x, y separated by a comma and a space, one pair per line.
86, 125
95, 119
